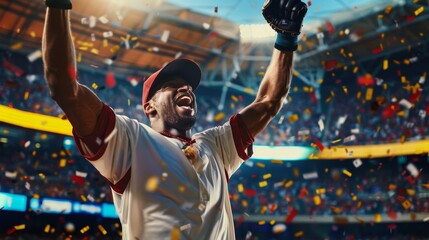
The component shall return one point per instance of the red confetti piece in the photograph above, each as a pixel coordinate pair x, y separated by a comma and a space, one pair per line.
313, 97
410, 18
366, 80
10, 231
289, 218
390, 110
320, 145
302, 193
330, 28
249, 192
392, 215
240, 220
427, 110
410, 180
8, 65
414, 97
309, 3
376, 51
331, 65
110, 79
78, 179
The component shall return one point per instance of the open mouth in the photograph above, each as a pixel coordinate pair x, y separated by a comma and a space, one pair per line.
184, 102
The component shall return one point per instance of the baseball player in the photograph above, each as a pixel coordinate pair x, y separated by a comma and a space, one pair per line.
167, 183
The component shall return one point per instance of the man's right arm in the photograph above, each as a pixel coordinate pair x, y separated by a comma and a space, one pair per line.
78, 102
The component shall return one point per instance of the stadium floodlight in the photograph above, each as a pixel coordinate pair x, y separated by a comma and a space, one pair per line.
281, 153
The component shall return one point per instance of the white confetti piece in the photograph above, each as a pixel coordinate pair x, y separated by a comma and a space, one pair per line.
413, 170
178, 55
321, 125
406, 103
249, 163
84, 21
107, 34
11, 174
81, 174
27, 144
357, 163
92, 21
186, 226
311, 175
103, 19
34, 55
355, 131
109, 137
422, 79
349, 138
165, 35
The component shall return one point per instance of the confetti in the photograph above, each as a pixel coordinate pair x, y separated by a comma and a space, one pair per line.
413, 170
407, 204
165, 35
292, 214
152, 184
346, 172
357, 163
311, 175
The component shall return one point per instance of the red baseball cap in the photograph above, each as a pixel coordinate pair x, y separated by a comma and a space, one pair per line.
181, 67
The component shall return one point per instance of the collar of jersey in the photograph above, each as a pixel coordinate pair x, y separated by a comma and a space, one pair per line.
186, 140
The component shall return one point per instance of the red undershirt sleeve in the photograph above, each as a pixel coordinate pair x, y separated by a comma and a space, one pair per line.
243, 139
94, 144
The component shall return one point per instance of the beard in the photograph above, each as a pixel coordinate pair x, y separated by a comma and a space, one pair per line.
174, 120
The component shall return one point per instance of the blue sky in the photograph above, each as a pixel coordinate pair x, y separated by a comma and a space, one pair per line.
249, 11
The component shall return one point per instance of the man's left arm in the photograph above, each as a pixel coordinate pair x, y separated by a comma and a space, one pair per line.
276, 82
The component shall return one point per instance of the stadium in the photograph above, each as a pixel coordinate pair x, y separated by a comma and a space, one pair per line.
345, 158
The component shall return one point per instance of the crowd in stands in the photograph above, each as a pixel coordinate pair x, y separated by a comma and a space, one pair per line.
391, 107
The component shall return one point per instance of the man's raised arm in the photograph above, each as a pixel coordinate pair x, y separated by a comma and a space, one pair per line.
284, 16
79, 103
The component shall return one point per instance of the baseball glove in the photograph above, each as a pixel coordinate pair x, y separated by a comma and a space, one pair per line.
285, 16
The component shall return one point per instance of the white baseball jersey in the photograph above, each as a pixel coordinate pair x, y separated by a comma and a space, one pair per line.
157, 192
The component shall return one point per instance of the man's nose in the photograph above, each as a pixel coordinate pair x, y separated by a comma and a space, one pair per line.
185, 88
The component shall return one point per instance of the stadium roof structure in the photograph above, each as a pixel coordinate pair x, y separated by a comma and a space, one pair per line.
136, 37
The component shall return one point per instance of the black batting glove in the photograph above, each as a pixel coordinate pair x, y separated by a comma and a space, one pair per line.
61, 4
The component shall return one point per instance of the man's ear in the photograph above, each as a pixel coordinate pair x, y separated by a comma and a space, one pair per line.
149, 108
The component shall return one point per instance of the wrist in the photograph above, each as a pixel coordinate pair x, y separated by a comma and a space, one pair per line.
286, 42
61, 4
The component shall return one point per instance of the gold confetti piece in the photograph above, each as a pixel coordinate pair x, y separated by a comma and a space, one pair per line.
240, 187
377, 217
288, 184
234, 98
407, 204
261, 222
264, 209
249, 90
293, 118
369, 94
272, 222
152, 184
175, 234
336, 210
339, 192
336, 141
346, 172
83, 198
47, 228
355, 70
261, 165
17, 46
276, 161
317, 201
419, 10
263, 184
411, 192
320, 191
95, 51
244, 203
299, 234
219, 116
182, 188
295, 73
94, 85
20, 227
84, 229
426, 185
102, 230
267, 176
63, 162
